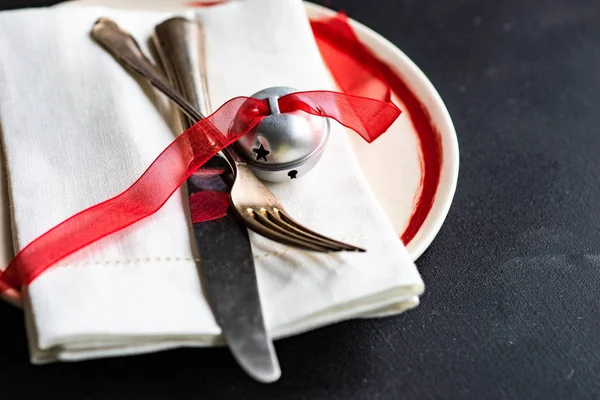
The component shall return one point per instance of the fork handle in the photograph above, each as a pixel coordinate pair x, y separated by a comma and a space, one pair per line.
125, 49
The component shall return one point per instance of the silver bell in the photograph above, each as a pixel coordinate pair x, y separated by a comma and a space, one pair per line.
283, 146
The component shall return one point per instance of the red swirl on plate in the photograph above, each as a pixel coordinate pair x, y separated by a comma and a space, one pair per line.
358, 71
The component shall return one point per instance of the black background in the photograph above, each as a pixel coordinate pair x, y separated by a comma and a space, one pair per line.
511, 309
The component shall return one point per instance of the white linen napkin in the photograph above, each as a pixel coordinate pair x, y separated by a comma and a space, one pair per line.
78, 129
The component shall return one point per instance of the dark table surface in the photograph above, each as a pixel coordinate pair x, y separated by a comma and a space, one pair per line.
512, 306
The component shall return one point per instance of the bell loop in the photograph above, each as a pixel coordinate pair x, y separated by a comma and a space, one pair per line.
274, 104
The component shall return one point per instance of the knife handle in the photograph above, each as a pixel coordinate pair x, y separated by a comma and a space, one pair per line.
181, 46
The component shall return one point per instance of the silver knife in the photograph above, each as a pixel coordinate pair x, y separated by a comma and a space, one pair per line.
226, 258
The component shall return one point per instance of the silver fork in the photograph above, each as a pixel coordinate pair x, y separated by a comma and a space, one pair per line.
254, 203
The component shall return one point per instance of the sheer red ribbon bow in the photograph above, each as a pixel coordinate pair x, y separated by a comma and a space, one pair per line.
368, 117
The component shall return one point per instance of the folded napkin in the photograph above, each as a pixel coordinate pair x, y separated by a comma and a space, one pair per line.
78, 129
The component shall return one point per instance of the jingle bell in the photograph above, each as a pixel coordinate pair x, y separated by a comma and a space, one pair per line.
283, 146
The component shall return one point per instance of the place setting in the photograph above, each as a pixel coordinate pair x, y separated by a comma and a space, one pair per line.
199, 174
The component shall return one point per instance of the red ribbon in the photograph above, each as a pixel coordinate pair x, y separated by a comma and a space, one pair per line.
368, 117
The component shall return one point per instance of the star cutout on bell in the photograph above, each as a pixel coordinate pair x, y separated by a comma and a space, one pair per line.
261, 152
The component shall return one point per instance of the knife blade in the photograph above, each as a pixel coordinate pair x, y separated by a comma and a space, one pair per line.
226, 259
